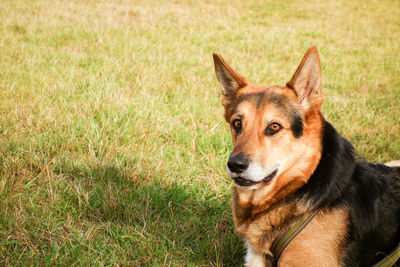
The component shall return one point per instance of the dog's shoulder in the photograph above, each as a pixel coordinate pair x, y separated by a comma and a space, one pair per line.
373, 201
375, 192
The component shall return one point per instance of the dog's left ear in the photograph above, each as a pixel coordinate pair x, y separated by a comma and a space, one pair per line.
306, 81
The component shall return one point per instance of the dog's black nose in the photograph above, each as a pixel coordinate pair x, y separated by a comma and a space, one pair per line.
238, 163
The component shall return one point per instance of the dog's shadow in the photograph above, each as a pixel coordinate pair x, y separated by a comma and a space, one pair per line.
152, 222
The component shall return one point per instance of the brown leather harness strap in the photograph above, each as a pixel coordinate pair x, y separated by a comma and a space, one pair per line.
391, 259
279, 244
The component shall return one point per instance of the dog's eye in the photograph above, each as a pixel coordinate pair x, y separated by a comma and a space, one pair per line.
273, 128
237, 124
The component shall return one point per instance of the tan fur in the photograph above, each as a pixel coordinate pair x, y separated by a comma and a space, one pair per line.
304, 155
319, 243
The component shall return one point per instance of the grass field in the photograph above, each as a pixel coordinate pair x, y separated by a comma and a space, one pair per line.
112, 141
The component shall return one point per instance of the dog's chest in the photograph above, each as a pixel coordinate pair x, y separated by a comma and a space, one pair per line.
318, 244
262, 228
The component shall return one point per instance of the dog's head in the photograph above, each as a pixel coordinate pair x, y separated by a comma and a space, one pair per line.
276, 131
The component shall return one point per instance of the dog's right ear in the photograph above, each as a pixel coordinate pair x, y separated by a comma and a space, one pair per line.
229, 80
306, 81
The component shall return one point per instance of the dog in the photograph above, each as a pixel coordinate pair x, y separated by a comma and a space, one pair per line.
288, 162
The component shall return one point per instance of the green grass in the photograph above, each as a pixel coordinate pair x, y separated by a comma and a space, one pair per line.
112, 141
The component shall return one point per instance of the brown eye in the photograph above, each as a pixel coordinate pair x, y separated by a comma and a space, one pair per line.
237, 124
273, 128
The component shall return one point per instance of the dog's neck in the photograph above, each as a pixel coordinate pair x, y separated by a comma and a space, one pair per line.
337, 160
262, 227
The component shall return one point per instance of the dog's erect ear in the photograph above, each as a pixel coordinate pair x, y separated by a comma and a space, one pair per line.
229, 80
306, 81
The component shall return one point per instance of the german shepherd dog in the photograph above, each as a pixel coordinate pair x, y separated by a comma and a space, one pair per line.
288, 162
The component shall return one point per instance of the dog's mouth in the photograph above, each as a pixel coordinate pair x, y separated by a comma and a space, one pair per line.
244, 182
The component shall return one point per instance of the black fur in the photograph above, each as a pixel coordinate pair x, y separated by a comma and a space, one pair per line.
371, 193
297, 126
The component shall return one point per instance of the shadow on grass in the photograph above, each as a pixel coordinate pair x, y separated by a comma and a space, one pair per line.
150, 222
